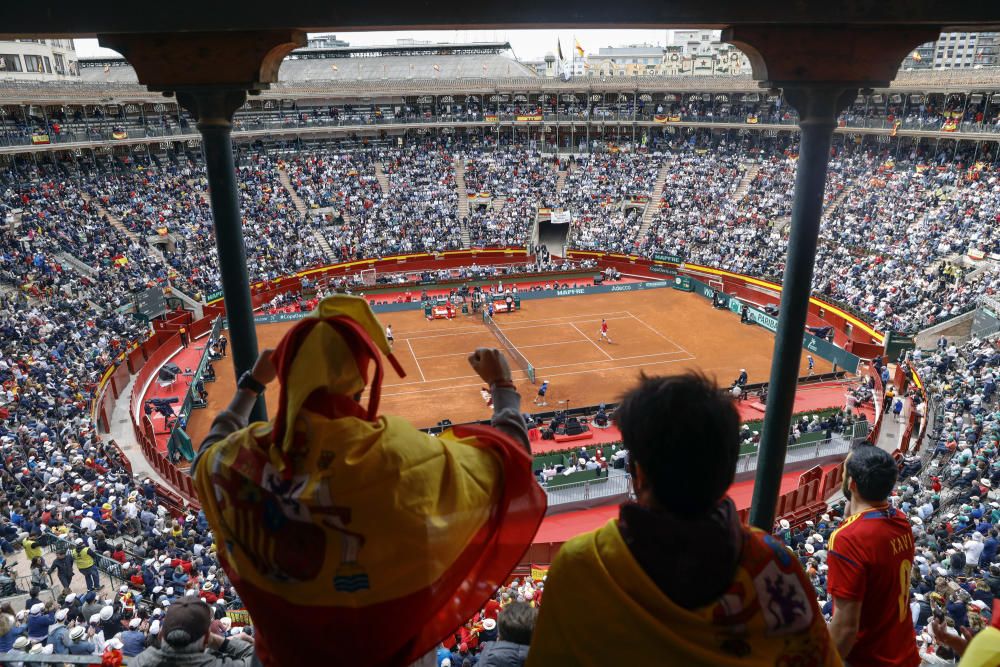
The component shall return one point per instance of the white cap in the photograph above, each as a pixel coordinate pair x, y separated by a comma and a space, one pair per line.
134, 623
154, 627
784, 524
107, 613
37, 608
77, 632
61, 614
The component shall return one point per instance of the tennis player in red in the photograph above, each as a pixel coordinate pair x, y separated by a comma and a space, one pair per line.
870, 557
604, 331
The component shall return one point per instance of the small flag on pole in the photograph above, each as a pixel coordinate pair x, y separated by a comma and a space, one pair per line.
437, 68
559, 49
579, 49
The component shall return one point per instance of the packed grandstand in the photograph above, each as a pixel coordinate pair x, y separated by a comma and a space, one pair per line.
117, 202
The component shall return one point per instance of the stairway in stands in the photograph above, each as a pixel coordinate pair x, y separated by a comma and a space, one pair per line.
303, 209
383, 178
463, 198
653, 205
561, 181
744, 186
838, 200
300, 205
115, 220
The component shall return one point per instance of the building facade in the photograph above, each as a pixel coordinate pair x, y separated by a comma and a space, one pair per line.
38, 60
957, 50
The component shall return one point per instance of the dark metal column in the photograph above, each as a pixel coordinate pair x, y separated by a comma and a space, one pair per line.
818, 108
214, 110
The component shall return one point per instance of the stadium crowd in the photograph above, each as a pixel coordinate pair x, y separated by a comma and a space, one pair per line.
886, 214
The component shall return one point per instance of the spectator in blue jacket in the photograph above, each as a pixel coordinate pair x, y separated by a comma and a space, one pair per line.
40, 617
79, 645
990, 546
133, 640
59, 634
10, 628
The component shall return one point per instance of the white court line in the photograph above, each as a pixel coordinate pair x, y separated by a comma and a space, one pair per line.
643, 323
547, 375
504, 328
539, 368
520, 347
416, 361
592, 342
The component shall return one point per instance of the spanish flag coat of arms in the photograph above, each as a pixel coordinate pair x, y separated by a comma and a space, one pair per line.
347, 533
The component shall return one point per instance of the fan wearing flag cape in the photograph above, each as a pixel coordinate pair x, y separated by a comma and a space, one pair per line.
347, 532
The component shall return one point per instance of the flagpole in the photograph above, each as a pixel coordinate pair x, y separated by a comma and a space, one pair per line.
573, 71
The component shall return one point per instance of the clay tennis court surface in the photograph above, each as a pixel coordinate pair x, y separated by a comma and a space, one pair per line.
660, 331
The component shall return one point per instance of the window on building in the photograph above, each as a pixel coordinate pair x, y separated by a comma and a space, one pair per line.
33, 64
60, 64
48, 64
10, 62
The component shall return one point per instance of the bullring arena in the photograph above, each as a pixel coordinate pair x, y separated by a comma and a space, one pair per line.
422, 177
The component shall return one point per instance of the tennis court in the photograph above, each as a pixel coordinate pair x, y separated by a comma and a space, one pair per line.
656, 331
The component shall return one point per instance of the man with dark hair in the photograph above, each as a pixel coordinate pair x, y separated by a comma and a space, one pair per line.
677, 574
186, 639
515, 626
870, 558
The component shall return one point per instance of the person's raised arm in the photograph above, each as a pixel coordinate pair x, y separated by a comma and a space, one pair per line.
237, 414
492, 367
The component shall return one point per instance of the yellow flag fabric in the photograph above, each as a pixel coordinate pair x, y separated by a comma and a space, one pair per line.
601, 606
360, 532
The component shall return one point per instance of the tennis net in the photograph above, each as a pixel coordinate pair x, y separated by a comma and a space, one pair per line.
514, 353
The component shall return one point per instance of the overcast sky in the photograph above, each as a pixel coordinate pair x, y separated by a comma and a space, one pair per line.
527, 44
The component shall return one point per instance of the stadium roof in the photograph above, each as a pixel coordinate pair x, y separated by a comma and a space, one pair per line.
440, 61
83, 19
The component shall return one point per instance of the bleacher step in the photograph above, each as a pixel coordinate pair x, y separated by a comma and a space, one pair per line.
653, 205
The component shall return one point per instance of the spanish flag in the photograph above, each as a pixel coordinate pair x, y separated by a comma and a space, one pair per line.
751, 624
120, 260
579, 49
353, 532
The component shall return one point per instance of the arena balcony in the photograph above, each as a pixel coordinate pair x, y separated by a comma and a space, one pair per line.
75, 116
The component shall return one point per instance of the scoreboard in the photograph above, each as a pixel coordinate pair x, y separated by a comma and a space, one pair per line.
151, 303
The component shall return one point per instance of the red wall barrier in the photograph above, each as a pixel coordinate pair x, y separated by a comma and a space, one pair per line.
864, 350
201, 327
135, 360
119, 379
